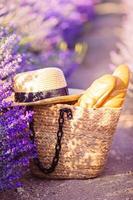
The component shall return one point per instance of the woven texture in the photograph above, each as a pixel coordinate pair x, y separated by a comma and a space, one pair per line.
39, 80
85, 143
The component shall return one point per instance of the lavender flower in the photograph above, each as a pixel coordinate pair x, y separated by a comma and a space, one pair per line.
46, 24
15, 146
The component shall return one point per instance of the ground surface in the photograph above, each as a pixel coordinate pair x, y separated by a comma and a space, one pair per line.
116, 182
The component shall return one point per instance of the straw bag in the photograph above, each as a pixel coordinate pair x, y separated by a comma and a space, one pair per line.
72, 142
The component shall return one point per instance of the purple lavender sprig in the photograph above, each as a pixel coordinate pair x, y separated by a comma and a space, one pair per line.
15, 146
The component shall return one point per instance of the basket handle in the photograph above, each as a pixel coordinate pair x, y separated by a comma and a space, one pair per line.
48, 170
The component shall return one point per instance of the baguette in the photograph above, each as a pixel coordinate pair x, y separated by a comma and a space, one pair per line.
117, 96
96, 94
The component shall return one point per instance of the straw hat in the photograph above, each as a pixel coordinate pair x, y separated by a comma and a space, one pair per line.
44, 86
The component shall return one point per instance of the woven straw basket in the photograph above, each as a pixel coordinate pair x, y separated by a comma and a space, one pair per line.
85, 142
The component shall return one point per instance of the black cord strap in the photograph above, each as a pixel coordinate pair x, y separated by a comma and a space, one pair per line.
58, 143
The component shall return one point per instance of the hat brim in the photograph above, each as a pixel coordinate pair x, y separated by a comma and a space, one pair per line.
74, 95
